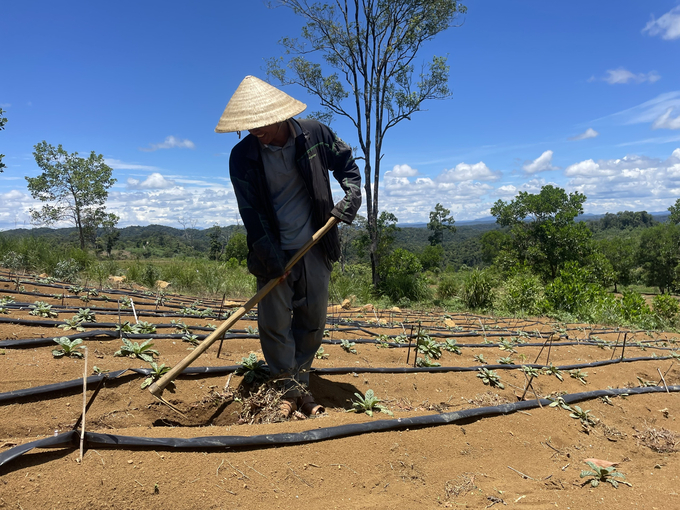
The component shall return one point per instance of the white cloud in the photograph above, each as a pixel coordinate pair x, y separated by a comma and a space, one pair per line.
665, 121
668, 25
465, 172
117, 164
648, 111
170, 143
589, 133
542, 163
637, 182
154, 181
622, 75
402, 171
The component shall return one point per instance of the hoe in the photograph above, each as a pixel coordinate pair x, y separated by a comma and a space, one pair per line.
157, 388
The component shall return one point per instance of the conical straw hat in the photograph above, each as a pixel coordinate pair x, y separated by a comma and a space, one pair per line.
257, 104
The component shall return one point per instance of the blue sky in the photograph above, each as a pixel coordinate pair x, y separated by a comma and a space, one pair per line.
584, 95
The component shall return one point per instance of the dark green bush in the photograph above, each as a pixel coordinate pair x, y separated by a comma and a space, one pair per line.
401, 278
523, 294
666, 308
478, 289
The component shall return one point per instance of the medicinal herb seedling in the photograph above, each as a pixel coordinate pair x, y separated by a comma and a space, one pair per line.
578, 375
603, 474
490, 377
451, 345
506, 361
553, 370
42, 309
426, 362
348, 346
142, 351
68, 347
368, 403
480, 359
156, 373
320, 354
253, 370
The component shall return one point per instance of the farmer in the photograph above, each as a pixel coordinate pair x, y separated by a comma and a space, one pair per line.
280, 178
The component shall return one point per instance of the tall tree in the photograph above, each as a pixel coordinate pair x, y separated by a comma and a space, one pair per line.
369, 50
659, 255
543, 230
75, 188
440, 222
3, 121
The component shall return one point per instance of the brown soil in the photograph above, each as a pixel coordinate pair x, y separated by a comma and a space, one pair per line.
528, 459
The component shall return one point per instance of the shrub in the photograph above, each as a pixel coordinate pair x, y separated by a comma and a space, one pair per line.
573, 292
633, 307
666, 307
401, 278
356, 280
66, 270
523, 295
478, 289
448, 287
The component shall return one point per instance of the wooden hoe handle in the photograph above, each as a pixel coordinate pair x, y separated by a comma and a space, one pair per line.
157, 388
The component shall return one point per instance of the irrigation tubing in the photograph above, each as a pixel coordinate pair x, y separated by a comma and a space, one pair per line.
76, 384
113, 441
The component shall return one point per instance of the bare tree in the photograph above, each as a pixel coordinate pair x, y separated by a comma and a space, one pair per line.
369, 50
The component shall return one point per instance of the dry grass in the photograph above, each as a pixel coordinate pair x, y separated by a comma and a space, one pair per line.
487, 399
462, 485
658, 440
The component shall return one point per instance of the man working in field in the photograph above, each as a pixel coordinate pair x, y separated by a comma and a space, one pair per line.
280, 178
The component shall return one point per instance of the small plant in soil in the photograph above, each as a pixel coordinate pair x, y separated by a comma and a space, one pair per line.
426, 362
42, 309
68, 347
252, 331
578, 375
75, 289
72, 323
320, 354
581, 414
85, 315
126, 327
253, 370
145, 327
553, 370
506, 361
603, 474
180, 326
4, 310
451, 345
368, 404
429, 347
530, 371
157, 371
645, 383
403, 338
125, 302
479, 358
99, 371
85, 299
490, 377
210, 325
348, 346
142, 351
192, 339
507, 345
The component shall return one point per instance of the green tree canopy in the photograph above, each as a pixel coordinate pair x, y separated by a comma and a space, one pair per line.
543, 230
659, 256
440, 222
74, 188
369, 49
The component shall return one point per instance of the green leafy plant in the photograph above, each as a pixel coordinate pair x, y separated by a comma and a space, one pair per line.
506, 361
142, 351
85, 315
42, 309
145, 327
68, 347
156, 373
426, 362
98, 371
252, 331
429, 347
451, 345
125, 302
125, 327
180, 326
530, 371
603, 474
480, 359
582, 414
320, 354
490, 377
507, 345
578, 375
253, 370
72, 323
368, 403
553, 370
348, 346
192, 339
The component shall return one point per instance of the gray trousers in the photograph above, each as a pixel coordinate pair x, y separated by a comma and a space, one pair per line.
291, 320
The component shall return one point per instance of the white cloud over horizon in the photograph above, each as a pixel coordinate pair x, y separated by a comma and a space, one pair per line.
170, 142
588, 133
154, 181
665, 121
622, 75
543, 163
668, 25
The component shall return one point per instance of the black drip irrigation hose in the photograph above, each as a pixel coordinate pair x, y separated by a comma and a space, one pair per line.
96, 440
60, 388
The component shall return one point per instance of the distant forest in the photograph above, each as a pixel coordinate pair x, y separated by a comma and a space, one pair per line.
462, 248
